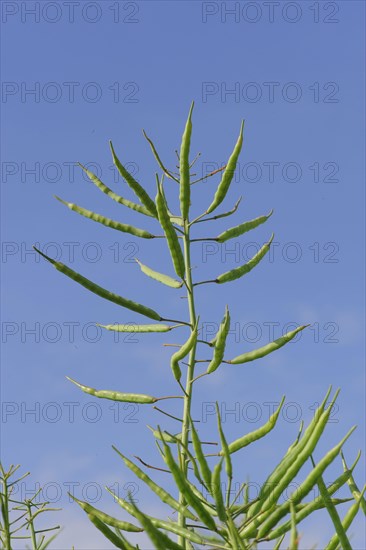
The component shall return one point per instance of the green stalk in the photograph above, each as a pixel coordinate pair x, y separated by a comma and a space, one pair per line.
190, 370
5, 511
31, 526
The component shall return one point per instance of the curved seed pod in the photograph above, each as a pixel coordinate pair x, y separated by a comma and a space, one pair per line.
183, 352
159, 491
265, 350
109, 520
116, 396
111, 194
108, 533
347, 520
228, 174
135, 186
217, 492
171, 236
242, 228
238, 272
256, 434
185, 188
125, 228
158, 538
205, 470
185, 489
100, 291
220, 341
293, 452
137, 328
165, 279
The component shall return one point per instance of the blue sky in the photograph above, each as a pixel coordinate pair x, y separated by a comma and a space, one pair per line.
105, 71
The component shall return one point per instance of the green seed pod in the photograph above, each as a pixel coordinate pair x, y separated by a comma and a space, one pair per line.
158, 538
305, 511
171, 236
332, 511
265, 350
165, 279
242, 228
294, 468
164, 436
116, 396
228, 174
225, 452
159, 491
135, 186
256, 434
137, 328
121, 200
109, 520
303, 490
220, 342
294, 540
108, 533
185, 188
183, 352
125, 228
205, 470
238, 272
177, 530
217, 492
347, 520
352, 484
186, 490
102, 292
293, 452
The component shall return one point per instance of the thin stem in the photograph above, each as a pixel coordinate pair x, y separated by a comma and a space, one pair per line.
205, 239
168, 414
209, 175
190, 371
205, 283
31, 525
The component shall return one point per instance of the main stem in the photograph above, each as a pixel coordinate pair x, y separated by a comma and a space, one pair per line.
190, 370
5, 510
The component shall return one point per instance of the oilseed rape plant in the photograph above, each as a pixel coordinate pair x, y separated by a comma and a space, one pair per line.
205, 515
